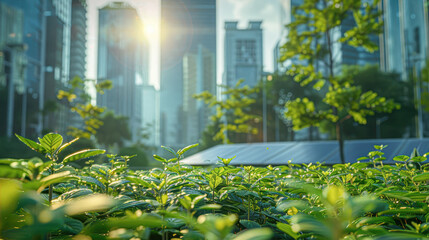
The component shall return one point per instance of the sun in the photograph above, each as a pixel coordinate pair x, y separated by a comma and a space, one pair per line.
150, 30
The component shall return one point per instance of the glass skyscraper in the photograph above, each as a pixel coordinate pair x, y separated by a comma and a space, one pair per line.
122, 54
185, 25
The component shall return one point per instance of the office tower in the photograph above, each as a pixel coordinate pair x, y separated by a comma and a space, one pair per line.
121, 56
150, 115
185, 25
405, 47
405, 36
30, 103
198, 76
77, 51
243, 53
12, 66
78, 39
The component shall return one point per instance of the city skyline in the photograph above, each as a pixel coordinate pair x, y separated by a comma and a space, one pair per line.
269, 12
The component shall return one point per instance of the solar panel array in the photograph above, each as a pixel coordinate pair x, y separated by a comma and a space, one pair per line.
279, 153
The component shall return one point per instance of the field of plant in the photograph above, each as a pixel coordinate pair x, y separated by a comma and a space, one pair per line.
50, 199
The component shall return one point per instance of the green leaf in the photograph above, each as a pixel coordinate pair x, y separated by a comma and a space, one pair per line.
418, 159
126, 205
255, 234
82, 154
31, 144
64, 146
95, 202
129, 222
287, 229
183, 150
421, 177
76, 193
249, 224
210, 207
55, 178
51, 142
92, 181
160, 159
401, 158
170, 150
319, 84
71, 226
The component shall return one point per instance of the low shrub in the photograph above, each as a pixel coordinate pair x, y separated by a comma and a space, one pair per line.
47, 198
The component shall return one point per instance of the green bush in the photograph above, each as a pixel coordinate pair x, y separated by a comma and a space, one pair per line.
47, 198
140, 158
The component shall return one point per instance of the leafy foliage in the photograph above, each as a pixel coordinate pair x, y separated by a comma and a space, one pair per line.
233, 120
79, 101
312, 38
364, 200
115, 130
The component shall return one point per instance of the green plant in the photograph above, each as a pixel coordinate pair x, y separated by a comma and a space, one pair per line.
368, 199
311, 42
232, 116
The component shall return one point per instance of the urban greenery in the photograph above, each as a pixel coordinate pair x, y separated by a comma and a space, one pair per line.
79, 100
312, 39
233, 120
47, 198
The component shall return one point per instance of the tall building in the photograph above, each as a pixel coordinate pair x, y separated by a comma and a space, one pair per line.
198, 76
185, 25
77, 60
78, 39
150, 116
45, 60
122, 53
243, 53
12, 68
57, 59
405, 36
405, 47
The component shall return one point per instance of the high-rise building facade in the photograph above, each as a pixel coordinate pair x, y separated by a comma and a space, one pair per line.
122, 50
198, 76
12, 68
185, 25
405, 36
243, 53
404, 48
78, 39
44, 50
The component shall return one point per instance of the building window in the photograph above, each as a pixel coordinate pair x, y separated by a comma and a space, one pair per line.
246, 51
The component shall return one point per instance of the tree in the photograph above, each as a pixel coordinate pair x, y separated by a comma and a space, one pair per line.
114, 130
279, 89
233, 120
312, 38
397, 124
79, 101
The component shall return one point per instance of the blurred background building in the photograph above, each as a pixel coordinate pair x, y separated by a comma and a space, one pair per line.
122, 59
243, 53
186, 27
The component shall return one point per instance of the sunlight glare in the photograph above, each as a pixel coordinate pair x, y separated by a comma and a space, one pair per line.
150, 30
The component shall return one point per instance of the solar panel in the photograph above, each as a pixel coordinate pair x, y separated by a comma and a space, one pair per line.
279, 153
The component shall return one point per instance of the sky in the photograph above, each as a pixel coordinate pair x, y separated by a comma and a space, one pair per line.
269, 11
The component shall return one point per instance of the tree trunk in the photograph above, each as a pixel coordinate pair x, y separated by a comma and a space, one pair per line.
339, 132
